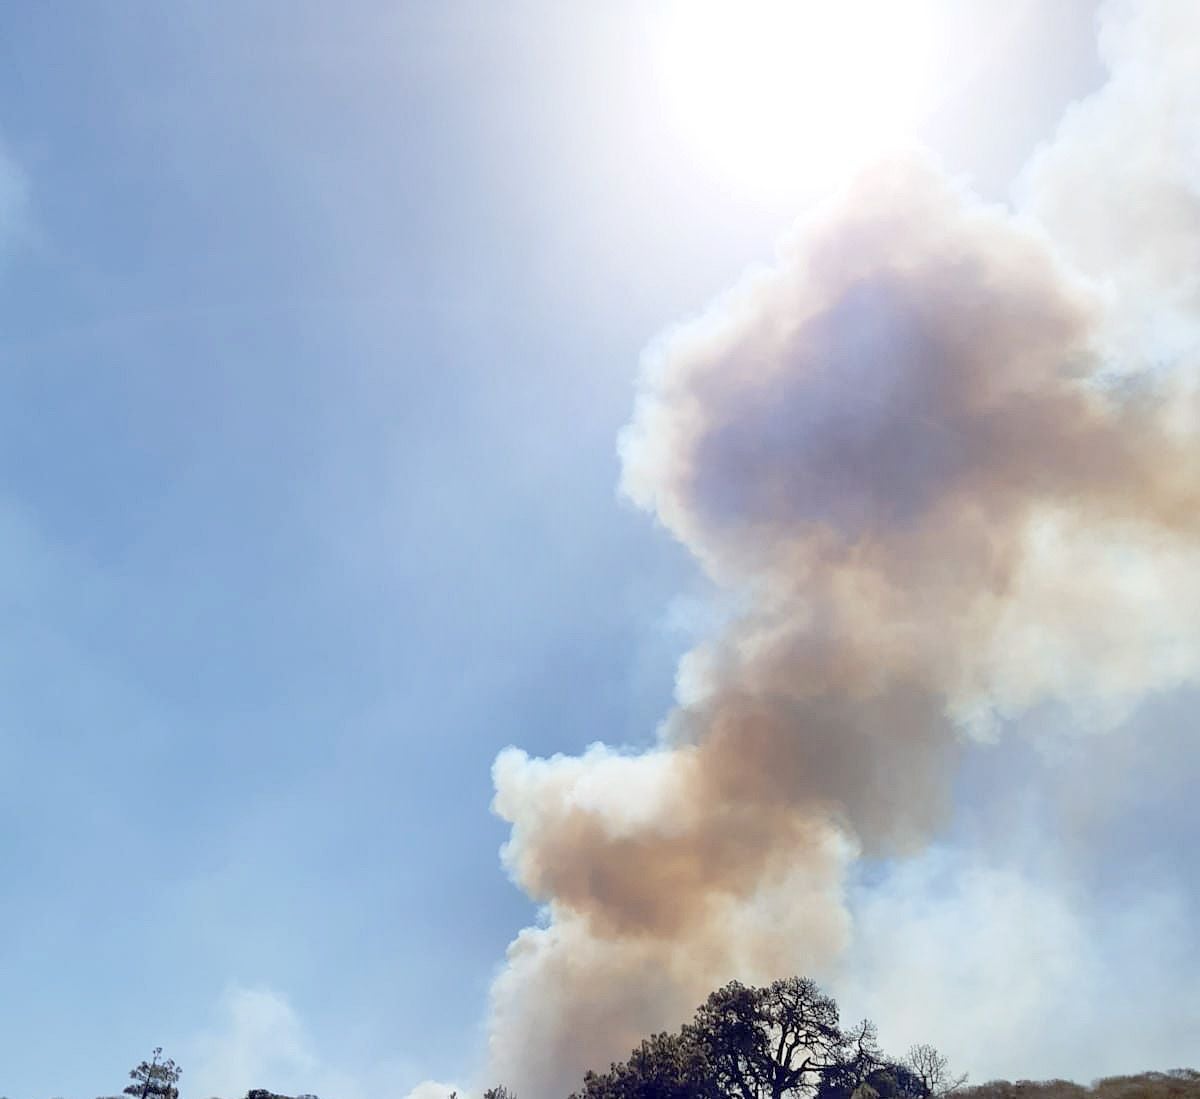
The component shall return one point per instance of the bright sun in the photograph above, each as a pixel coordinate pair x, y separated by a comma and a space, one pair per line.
786, 97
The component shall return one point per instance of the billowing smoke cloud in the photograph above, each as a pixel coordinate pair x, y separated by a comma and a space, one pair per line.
920, 458
1118, 186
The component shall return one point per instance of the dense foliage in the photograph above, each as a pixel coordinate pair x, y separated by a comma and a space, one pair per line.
784, 1041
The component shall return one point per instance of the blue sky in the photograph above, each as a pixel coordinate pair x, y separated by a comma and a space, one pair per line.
316, 341
317, 328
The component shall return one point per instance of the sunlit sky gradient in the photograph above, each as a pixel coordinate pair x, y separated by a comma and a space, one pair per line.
317, 326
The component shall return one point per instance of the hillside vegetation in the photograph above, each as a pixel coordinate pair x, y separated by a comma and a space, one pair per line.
783, 1041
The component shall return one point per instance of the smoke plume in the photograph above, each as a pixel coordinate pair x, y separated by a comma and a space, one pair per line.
927, 463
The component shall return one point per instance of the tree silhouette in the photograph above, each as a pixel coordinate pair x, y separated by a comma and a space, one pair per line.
664, 1066
767, 1043
933, 1070
155, 1079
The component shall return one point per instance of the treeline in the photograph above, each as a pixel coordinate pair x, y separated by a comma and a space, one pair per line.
784, 1041
1179, 1083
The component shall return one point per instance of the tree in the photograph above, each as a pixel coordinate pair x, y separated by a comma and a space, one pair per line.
850, 1075
155, 1079
933, 1070
893, 1080
784, 1041
767, 1043
664, 1066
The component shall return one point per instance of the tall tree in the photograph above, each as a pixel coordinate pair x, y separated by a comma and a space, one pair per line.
155, 1079
768, 1043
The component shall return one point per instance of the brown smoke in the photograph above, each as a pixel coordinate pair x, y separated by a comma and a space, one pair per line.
900, 451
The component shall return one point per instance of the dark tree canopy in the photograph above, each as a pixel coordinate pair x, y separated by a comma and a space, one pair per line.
784, 1041
664, 1066
767, 1043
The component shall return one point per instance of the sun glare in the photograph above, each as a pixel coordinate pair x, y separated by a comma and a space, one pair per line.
785, 98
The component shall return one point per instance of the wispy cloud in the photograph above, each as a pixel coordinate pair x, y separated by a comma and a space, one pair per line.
260, 1041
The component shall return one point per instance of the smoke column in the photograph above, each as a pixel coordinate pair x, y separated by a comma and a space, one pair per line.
925, 456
